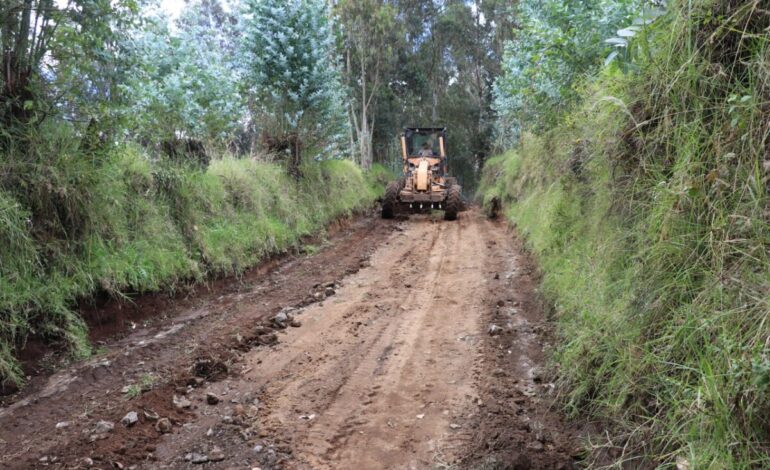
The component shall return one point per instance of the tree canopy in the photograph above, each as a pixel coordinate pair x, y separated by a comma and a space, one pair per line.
304, 78
292, 76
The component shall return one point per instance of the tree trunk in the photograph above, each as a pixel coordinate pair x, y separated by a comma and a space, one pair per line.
434, 107
366, 144
364, 137
18, 62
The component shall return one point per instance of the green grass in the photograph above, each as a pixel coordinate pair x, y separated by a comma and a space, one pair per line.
72, 225
655, 251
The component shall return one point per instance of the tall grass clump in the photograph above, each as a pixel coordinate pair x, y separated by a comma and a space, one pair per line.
75, 222
648, 209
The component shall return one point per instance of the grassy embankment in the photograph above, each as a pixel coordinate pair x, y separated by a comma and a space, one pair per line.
73, 224
648, 210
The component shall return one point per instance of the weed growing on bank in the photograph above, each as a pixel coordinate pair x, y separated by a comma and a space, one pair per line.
648, 210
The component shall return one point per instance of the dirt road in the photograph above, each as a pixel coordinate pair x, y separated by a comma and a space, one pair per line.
405, 344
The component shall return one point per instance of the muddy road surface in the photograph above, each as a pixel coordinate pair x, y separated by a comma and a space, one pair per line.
407, 344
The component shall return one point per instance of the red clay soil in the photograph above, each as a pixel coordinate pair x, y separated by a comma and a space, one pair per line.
387, 357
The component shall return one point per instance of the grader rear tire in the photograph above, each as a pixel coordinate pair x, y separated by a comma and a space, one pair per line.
454, 202
390, 201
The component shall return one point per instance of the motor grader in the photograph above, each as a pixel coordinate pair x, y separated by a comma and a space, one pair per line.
425, 184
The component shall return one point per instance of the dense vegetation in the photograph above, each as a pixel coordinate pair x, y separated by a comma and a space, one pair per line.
642, 186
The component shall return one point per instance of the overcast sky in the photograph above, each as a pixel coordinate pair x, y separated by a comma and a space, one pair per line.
172, 7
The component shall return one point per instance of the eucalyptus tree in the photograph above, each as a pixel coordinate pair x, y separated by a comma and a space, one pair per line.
418, 62
292, 79
186, 81
555, 46
370, 34
60, 58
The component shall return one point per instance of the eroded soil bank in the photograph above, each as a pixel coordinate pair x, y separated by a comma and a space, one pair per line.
400, 344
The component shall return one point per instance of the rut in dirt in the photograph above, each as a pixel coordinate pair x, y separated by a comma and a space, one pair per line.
408, 344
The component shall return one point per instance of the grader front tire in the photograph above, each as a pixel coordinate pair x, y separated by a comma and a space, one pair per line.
454, 202
390, 201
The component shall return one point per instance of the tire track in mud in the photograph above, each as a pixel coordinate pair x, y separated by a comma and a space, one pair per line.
379, 309
394, 346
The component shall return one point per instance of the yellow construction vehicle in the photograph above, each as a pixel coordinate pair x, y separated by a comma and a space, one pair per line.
425, 184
